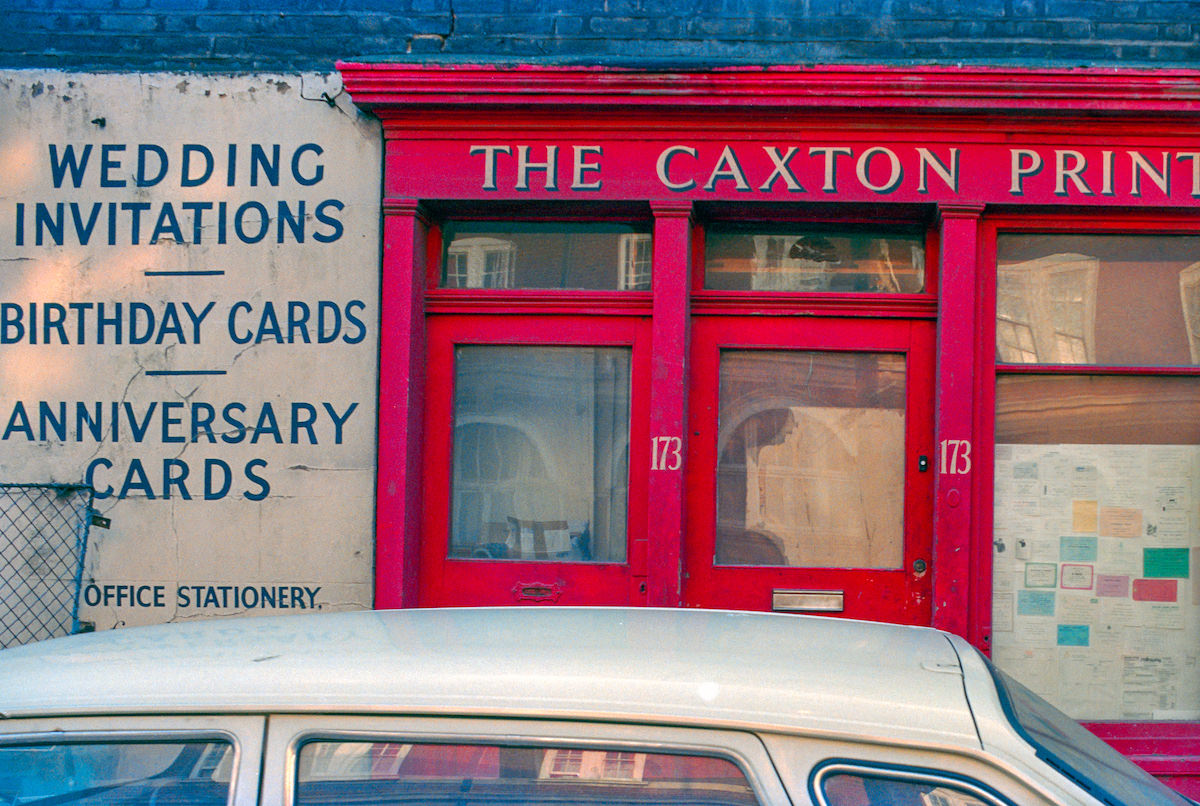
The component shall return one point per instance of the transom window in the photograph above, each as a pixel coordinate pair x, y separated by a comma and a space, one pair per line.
796, 258
546, 255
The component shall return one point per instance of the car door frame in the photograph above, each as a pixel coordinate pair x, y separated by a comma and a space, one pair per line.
286, 733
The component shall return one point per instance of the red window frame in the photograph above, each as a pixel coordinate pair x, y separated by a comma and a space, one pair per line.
843, 313
1167, 749
451, 581
901, 594
530, 316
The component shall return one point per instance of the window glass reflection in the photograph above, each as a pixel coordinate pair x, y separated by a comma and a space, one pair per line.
540, 453
1121, 300
547, 255
811, 459
793, 259
195, 772
338, 772
870, 790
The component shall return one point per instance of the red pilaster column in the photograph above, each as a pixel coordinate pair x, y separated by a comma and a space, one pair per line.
668, 402
401, 403
955, 438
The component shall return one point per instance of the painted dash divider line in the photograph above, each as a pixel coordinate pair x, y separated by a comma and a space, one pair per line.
185, 372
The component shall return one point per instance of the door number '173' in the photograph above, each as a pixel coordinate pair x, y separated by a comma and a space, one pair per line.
956, 456
666, 453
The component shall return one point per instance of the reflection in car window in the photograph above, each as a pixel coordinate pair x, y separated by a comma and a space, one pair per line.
869, 790
338, 772
196, 773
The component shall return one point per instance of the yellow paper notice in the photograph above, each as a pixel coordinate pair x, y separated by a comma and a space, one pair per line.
1084, 516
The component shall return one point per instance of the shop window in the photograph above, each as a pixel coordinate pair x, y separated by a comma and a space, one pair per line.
811, 459
1097, 473
546, 255
1108, 300
541, 436
795, 259
1046, 311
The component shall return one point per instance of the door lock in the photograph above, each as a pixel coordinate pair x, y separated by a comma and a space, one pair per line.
920, 566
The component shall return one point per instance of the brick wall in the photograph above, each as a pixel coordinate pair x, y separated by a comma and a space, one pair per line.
240, 35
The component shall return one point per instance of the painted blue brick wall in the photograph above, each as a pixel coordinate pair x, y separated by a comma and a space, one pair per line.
242, 35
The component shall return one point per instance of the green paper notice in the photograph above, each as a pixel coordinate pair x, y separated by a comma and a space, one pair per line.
1170, 563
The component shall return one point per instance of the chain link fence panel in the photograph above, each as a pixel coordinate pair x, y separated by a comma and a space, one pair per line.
43, 540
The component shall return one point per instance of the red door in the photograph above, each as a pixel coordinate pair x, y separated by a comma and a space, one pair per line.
534, 460
809, 479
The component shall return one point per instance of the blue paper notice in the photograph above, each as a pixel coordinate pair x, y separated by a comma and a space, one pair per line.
1073, 634
1077, 549
1035, 603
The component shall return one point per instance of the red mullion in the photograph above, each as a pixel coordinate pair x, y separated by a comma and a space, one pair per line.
438, 435
699, 244
933, 260
401, 390
956, 563
433, 256
667, 418
980, 604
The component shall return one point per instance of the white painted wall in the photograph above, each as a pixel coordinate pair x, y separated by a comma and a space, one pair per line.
295, 515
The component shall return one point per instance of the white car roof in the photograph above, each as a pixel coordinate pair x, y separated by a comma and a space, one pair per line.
668, 666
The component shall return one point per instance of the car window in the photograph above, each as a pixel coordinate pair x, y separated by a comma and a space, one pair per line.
197, 773
856, 790
1078, 753
854, 785
361, 772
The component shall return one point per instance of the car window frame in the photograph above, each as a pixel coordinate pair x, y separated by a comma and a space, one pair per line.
1007, 690
900, 772
796, 755
244, 733
287, 733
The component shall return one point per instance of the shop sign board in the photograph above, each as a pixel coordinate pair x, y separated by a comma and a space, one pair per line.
189, 274
848, 166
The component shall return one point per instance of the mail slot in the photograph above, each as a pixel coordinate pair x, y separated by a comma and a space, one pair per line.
797, 600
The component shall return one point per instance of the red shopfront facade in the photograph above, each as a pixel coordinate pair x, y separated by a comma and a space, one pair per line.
918, 345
